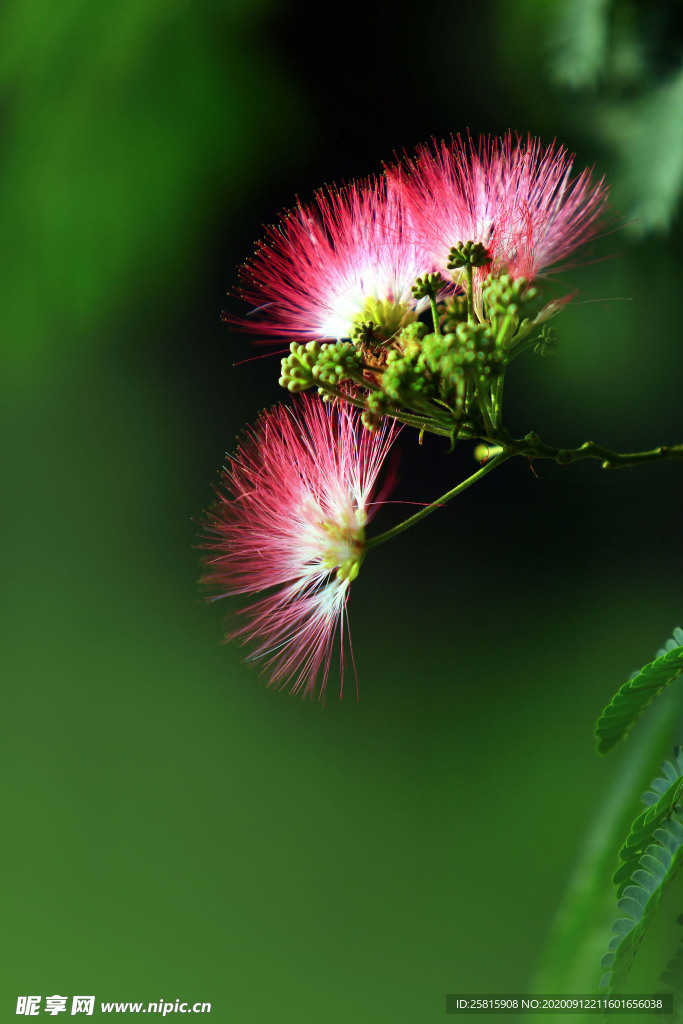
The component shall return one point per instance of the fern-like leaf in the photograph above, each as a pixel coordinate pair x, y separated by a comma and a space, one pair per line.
662, 800
651, 855
639, 692
656, 867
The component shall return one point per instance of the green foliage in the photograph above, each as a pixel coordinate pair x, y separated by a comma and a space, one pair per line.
626, 59
647, 136
638, 693
673, 973
580, 35
652, 854
653, 850
661, 799
125, 129
672, 978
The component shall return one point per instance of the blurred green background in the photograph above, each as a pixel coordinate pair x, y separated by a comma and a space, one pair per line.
175, 830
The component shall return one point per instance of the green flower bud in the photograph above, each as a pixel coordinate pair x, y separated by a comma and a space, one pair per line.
414, 332
337, 362
313, 363
377, 405
549, 341
363, 332
296, 372
410, 340
470, 349
510, 295
464, 254
456, 312
476, 337
404, 378
428, 286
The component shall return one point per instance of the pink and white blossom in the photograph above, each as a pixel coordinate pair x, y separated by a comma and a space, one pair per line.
321, 268
516, 198
301, 484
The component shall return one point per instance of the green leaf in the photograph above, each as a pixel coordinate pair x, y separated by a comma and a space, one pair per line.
647, 135
669, 787
580, 35
571, 953
651, 855
656, 868
672, 978
638, 693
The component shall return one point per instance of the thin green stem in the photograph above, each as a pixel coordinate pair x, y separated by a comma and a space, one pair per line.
435, 312
521, 345
470, 293
532, 447
407, 523
529, 447
426, 408
505, 329
484, 406
411, 421
498, 402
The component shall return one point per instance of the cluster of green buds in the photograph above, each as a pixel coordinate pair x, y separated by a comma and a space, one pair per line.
470, 349
468, 254
548, 342
318, 365
377, 406
429, 286
510, 296
366, 332
442, 372
437, 367
453, 312
510, 306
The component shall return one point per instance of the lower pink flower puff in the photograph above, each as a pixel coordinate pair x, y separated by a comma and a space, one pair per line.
301, 483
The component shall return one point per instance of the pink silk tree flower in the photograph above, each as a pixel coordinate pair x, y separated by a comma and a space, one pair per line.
301, 483
349, 257
518, 200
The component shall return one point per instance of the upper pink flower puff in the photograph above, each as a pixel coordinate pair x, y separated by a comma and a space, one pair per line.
518, 199
301, 484
319, 270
